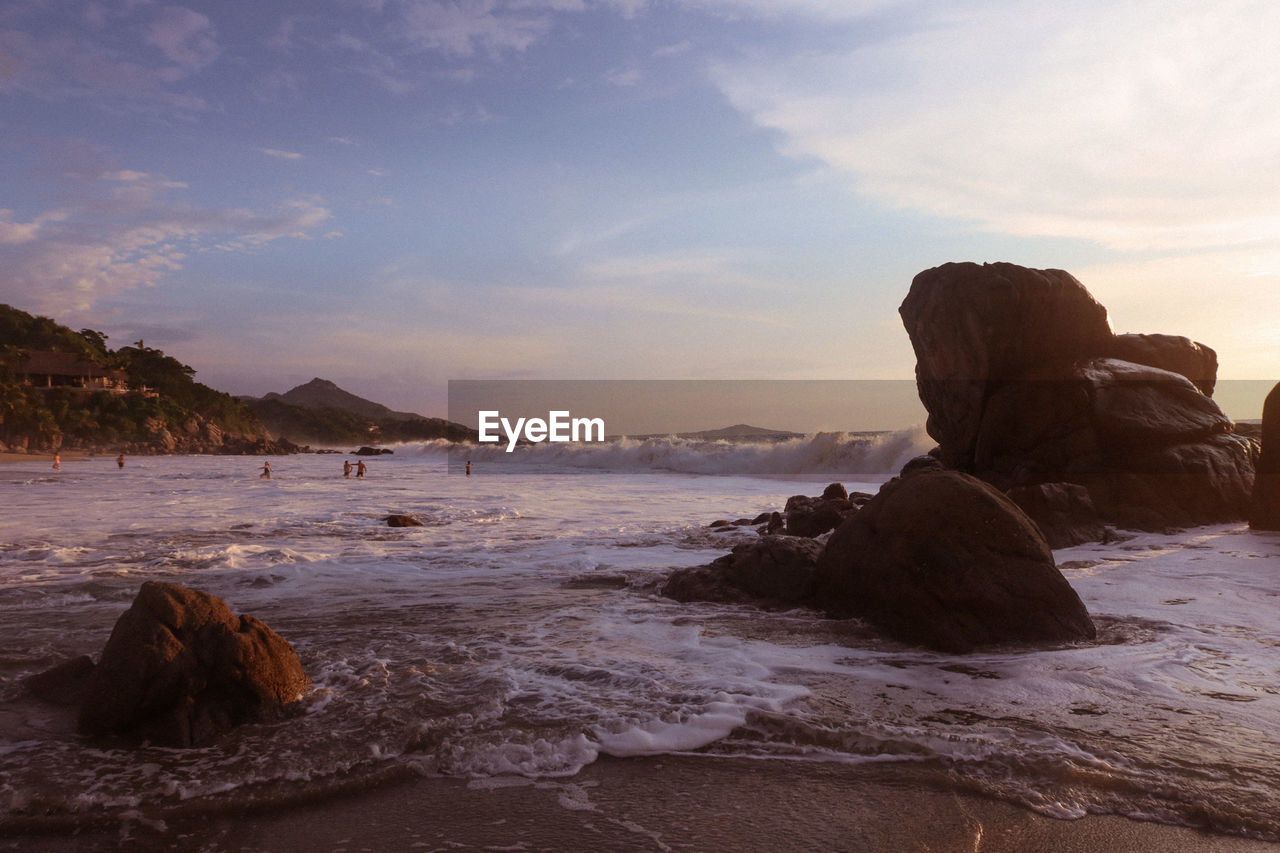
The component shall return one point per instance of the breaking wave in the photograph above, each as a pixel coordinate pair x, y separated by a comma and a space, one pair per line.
825, 453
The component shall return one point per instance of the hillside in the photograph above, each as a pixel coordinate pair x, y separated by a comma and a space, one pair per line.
63, 389
320, 413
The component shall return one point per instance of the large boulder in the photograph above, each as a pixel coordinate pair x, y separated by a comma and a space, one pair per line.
974, 326
180, 668
1264, 513
943, 560
1025, 384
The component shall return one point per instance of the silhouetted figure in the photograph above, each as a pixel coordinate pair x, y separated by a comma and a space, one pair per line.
120, 461
468, 467
346, 468
266, 471
57, 462
360, 468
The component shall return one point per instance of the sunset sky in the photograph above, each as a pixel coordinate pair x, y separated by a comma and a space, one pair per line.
394, 193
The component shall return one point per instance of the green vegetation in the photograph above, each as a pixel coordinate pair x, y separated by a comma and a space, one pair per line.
178, 413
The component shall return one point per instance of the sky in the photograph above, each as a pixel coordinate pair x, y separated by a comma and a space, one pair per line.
393, 194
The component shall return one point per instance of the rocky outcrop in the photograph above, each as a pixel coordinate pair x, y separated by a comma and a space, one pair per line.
770, 570
366, 450
1264, 513
400, 520
1025, 384
180, 668
941, 559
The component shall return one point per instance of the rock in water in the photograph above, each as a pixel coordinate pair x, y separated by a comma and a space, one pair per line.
180, 668
943, 560
771, 570
1264, 513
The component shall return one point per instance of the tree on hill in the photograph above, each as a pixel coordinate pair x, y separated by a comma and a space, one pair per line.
174, 413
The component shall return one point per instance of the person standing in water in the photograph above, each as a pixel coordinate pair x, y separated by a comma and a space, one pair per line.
346, 468
266, 471
120, 461
360, 468
468, 467
57, 462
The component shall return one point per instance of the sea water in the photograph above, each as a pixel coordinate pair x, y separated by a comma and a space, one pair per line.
518, 633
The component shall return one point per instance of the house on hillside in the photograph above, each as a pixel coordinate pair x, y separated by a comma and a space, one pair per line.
69, 370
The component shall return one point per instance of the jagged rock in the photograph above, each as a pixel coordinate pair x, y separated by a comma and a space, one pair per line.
769, 570
1264, 512
835, 491
181, 668
943, 560
400, 520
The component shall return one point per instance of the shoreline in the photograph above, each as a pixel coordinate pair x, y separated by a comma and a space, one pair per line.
70, 456
662, 803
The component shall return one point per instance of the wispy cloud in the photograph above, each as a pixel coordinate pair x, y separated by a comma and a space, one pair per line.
281, 155
124, 233
464, 27
68, 62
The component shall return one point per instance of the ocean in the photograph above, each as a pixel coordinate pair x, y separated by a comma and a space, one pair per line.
518, 634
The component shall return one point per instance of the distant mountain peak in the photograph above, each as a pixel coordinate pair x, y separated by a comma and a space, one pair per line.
324, 394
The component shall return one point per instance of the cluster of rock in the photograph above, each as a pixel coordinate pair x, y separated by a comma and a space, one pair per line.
1026, 384
1051, 430
178, 669
937, 558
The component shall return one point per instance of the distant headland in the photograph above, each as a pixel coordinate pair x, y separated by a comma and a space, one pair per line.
63, 390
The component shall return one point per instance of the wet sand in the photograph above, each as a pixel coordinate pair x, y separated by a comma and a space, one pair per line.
653, 804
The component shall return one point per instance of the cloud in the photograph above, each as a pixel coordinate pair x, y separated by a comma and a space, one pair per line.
14, 233
46, 57
282, 155
1140, 125
186, 38
124, 233
462, 27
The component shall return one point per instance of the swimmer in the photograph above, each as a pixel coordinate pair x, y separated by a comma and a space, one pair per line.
468, 467
120, 461
360, 468
266, 471
346, 468
57, 462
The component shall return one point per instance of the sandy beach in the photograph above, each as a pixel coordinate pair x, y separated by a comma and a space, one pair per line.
670, 803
